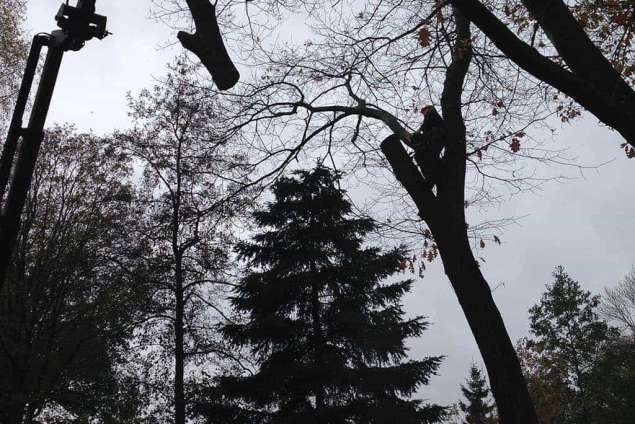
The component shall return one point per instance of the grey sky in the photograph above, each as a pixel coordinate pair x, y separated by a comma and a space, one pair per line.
586, 224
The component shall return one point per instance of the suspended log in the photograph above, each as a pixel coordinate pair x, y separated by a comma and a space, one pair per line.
207, 44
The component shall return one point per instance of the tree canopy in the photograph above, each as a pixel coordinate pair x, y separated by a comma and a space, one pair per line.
70, 303
325, 326
568, 347
13, 51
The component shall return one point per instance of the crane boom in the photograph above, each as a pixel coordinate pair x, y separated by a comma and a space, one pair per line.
77, 24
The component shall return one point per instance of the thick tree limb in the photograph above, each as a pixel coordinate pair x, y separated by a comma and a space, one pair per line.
599, 103
408, 175
207, 44
577, 49
450, 231
452, 186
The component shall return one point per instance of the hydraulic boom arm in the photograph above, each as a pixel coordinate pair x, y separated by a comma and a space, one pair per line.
78, 24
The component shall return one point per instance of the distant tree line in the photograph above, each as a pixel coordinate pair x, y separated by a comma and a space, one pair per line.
126, 303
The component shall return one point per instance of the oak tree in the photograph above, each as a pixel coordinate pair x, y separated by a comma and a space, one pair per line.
188, 172
582, 48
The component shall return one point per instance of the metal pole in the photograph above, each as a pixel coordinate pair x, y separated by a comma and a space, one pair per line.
77, 25
8, 152
27, 156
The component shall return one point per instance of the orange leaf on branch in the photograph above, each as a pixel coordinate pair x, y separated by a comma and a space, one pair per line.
424, 37
620, 19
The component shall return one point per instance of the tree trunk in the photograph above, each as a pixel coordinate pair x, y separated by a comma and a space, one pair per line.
445, 217
474, 294
318, 339
179, 396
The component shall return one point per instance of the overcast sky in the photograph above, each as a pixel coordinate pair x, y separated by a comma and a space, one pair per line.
585, 224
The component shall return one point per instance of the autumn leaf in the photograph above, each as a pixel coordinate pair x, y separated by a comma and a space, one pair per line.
425, 109
482, 244
430, 256
424, 37
620, 19
515, 146
506, 10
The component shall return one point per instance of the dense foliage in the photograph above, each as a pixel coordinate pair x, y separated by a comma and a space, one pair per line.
70, 303
13, 52
325, 326
576, 364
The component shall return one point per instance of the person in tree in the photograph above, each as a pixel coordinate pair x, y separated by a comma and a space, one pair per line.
325, 327
477, 408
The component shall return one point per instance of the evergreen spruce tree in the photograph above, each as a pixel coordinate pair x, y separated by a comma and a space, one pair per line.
477, 410
325, 327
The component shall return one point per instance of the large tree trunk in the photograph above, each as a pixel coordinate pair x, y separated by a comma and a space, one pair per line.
445, 216
179, 357
474, 294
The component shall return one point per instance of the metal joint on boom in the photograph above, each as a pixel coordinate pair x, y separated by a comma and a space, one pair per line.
78, 24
